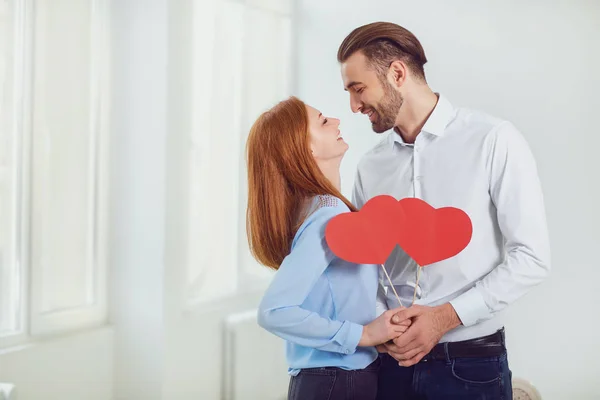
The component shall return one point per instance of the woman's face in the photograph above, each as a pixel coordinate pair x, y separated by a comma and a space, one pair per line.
326, 142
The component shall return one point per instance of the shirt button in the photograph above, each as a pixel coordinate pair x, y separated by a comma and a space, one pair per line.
417, 178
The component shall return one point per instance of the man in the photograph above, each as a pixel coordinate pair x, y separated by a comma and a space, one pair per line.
454, 157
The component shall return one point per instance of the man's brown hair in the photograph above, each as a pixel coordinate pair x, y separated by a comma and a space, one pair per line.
383, 43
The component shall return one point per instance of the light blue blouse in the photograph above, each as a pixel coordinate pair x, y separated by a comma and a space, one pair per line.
318, 302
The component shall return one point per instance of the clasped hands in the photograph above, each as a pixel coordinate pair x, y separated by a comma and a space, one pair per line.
408, 334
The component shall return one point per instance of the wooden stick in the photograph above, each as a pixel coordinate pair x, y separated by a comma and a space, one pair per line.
416, 285
392, 285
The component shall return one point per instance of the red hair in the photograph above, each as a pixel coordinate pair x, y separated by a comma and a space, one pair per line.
282, 174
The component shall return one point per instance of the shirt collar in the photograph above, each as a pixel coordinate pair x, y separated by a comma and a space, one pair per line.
440, 117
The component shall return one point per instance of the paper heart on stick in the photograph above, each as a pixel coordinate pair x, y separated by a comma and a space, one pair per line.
426, 234
367, 236
430, 235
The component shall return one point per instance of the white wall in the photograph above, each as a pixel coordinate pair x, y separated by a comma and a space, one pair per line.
534, 63
139, 130
77, 366
168, 344
211, 336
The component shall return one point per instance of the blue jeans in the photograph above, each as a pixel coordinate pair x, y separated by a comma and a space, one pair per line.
332, 383
460, 378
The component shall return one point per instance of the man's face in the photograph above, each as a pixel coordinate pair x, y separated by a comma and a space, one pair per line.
370, 94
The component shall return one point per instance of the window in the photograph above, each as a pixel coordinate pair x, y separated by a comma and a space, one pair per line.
249, 45
11, 271
53, 166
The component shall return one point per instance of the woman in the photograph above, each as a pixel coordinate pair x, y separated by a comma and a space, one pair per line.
322, 306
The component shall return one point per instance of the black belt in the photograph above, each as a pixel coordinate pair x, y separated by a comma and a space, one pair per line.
493, 345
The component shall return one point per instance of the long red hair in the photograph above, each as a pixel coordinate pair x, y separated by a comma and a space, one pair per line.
282, 174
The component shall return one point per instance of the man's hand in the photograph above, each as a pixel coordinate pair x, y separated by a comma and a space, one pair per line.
428, 326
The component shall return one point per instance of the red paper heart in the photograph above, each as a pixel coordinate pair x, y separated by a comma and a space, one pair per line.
367, 236
429, 235
426, 234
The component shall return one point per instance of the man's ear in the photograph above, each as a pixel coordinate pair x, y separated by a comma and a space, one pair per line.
397, 73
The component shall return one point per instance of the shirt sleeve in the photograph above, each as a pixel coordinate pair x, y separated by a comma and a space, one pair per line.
516, 193
280, 310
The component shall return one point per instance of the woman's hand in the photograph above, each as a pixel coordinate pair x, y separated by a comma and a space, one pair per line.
381, 348
383, 329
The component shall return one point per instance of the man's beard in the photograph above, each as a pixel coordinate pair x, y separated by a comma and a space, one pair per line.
387, 109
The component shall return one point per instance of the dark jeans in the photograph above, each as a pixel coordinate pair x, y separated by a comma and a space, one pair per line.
460, 378
335, 384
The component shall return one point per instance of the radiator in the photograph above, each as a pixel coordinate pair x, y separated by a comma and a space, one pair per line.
254, 361
7, 391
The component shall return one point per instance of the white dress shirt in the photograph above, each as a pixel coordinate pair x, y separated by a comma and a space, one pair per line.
482, 165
